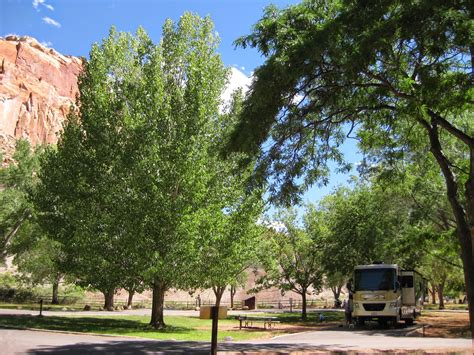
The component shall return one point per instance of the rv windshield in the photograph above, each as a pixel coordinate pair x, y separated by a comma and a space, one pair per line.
374, 279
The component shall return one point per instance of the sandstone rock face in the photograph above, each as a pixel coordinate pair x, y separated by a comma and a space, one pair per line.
38, 86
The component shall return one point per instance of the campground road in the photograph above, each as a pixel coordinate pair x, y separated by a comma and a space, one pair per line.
44, 342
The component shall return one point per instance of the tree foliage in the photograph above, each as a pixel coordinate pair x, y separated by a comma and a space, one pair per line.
227, 235
137, 172
16, 180
291, 258
397, 75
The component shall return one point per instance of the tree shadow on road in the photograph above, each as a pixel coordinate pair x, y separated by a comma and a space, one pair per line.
165, 347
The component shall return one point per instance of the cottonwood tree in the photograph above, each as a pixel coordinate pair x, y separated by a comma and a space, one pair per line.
85, 182
38, 260
16, 180
227, 235
36, 257
291, 259
396, 75
361, 224
183, 83
135, 157
227, 244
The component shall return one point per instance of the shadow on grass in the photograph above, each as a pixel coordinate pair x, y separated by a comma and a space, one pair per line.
85, 324
169, 347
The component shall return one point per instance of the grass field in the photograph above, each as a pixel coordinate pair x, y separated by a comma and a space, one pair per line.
178, 327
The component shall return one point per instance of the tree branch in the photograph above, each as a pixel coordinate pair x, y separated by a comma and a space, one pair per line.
451, 183
438, 119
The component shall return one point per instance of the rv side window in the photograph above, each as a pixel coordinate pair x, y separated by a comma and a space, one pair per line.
407, 281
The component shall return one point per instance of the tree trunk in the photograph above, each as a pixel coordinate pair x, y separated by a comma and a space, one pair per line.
130, 299
109, 300
303, 308
233, 291
55, 299
336, 291
468, 267
464, 216
218, 292
467, 240
157, 320
440, 289
432, 291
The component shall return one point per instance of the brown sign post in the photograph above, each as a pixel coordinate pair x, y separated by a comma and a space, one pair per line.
214, 313
215, 319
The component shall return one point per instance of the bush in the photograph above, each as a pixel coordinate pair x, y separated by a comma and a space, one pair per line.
8, 281
16, 295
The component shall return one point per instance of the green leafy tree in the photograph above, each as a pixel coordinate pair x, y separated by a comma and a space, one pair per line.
431, 228
442, 267
131, 169
85, 183
16, 180
182, 89
291, 259
38, 260
227, 236
363, 225
36, 257
396, 75
227, 245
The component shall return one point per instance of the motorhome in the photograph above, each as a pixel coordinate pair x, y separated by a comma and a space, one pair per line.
386, 293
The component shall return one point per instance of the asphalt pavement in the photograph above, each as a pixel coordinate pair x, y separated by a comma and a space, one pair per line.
334, 340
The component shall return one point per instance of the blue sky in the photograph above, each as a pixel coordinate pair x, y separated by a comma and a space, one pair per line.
71, 26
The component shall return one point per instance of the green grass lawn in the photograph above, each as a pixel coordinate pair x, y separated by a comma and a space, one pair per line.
178, 327
36, 306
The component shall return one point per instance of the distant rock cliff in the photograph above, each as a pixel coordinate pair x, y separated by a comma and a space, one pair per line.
37, 88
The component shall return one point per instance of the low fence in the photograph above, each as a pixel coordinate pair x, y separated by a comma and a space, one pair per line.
76, 302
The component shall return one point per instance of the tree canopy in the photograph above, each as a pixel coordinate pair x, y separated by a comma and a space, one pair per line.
395, 75
137, 172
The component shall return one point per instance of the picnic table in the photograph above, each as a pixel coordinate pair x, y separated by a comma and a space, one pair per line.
247, 321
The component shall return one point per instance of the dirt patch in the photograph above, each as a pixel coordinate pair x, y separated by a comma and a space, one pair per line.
446, 324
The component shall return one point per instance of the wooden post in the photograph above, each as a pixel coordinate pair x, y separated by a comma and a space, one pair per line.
41, 308
215, 319
291, 305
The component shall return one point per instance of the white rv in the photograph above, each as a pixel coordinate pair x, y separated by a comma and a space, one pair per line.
386, 293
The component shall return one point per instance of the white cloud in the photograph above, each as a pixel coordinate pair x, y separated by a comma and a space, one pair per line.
50, 21
36, 4
47, 43
237, 80
277, 226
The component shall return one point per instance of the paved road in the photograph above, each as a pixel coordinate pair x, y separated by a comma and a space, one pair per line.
38, 342
42, 342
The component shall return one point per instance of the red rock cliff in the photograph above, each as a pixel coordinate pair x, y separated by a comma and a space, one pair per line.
37, 88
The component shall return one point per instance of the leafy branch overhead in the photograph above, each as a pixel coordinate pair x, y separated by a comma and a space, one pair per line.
395, 75
339, 69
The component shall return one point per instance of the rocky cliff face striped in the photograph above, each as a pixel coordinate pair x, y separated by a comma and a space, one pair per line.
38, 87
